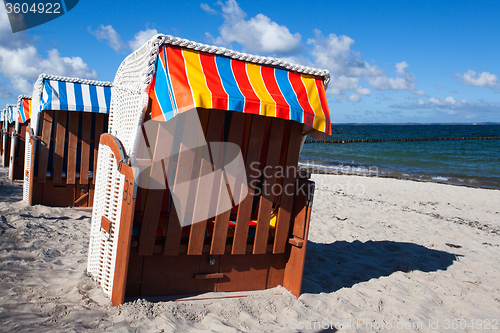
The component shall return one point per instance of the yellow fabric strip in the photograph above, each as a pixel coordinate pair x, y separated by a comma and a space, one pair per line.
267, 103
313, 96
201, 94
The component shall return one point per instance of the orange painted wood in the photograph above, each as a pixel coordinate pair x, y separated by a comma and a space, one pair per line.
294, 268
276, 270
235, 136
31, 173
44, 146
99, 129
109, 140
255, 143
105, 224
82, 200
85, 157
59, 146
209, 276
296, 242
243, 272
18, 156
124, 236
74, 119
154, 197
269, 172
288, 186
134, 274
183, 173
174, 275
212, 124
218, 188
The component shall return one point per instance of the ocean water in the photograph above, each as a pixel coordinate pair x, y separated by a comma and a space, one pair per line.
461, 162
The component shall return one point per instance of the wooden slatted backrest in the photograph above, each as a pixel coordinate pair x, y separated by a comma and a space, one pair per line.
270, 149
67, 146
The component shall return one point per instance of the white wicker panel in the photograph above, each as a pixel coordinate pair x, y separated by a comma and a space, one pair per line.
129, 98
107, 202
13, 139
27, 168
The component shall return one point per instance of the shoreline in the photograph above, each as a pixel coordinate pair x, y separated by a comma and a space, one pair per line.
317, 170
416, 255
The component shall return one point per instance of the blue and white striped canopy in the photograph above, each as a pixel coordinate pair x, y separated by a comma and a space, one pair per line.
11, 113
73, 96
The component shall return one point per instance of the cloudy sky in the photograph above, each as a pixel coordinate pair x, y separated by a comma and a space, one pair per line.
390, 61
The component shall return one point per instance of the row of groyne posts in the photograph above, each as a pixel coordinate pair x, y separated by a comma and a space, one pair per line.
410, 139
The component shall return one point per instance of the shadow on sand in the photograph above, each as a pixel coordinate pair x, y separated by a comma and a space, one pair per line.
330, 267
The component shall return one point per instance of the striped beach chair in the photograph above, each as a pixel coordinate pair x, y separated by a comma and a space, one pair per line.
18, 142
197, 184
8, 132
2, 120
67, 117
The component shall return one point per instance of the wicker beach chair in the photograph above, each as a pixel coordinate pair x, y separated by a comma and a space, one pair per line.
2, 121
8, 131
184, 191
67, 117
18, 141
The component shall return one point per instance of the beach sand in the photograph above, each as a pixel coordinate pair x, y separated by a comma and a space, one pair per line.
383, 253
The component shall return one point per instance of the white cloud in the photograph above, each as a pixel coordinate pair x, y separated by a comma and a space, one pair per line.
386, 83
208, 9
484, 79
354, 98
404, 82
258, 35
335, 54
461, 110
141, 38
114, 40
21, 62
347, 67
364, 91
107, 33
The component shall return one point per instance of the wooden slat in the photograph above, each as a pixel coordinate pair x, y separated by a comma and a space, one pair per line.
209, 276
44, 146
74, 120
99, 129
294, 268
105, 224
254, 150
154, 197
197, 232
85, 157
296, 242
211, 193
59, 147
80, 199
124, 237
236, 132
266, 199
286, 200
184, 167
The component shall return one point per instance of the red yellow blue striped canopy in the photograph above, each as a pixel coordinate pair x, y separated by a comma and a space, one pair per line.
24, 110
185, 79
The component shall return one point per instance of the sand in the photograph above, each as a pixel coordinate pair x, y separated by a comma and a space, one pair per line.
383, 255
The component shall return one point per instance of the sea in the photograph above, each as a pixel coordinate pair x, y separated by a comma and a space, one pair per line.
473, 163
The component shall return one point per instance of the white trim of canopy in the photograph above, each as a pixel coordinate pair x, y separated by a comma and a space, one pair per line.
70, 94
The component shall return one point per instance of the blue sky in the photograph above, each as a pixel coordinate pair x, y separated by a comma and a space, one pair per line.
390, 61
